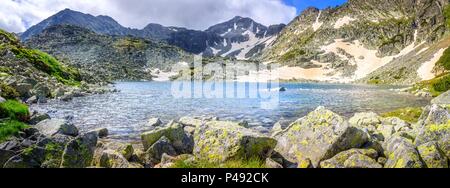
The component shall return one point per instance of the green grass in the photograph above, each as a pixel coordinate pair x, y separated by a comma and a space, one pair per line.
410, 115
444, 61
447, 15
49, 65
9, 128
436, 86
8, 92
14, 110
250, 163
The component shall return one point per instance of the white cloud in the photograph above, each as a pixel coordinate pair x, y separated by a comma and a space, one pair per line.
18, 15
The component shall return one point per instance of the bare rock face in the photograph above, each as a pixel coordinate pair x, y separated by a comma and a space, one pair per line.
319, 136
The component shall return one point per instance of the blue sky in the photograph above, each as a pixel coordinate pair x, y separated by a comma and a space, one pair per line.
302, 4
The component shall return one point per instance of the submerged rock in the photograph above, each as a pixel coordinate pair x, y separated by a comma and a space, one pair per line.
218, 141
102, 132
154, 122
50, 127
319, 136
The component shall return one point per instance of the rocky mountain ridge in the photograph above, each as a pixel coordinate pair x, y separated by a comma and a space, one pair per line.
349, 42
239, 37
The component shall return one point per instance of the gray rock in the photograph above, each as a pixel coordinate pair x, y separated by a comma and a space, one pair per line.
432, 156
401, 153
433, 114
181, 141
32, 100
317, 137
340, 160
435, 133
155, 152
443, 99
79, 152
218, 141
154, 122
51, 127
24, 89
102, 132
41, 90
31, 157
270, 163
5, 155
113, 159
2, 99
38, 117
189, 121
361, 161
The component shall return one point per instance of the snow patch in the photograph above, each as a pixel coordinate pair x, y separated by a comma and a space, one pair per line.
425, 71
317, 24
343, 21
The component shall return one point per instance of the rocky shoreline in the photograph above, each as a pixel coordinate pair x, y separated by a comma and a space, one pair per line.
322, 139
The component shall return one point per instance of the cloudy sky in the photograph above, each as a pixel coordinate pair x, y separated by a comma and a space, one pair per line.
18, 15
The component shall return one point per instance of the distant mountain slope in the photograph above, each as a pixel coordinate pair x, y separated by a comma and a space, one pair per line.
350, 42
239, 37
112, 57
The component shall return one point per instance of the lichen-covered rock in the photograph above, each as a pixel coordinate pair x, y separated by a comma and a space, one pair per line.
364, 120
319, 136
432, 156
79, 152
339, 161
154, 122
443, 99
437, 133
361, 161
433, 114
279, 126
401, 153
218, 141
112, 159
190, 121
50, 127
155, 152
182, 142
397, 123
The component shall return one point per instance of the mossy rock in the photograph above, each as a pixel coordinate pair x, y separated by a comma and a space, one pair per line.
432, 155
319, 136
219, 141
182, 142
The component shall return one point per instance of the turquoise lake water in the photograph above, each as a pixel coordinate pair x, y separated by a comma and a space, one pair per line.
126, 112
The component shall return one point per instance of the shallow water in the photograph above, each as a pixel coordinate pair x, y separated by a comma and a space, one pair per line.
125, 113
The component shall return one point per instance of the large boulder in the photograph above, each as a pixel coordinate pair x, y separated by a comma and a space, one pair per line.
182, 142
31, 157
112, 159
432, 155
190, 121
443, 99
79, 152
155, 152
433, 114
435, 133
401, 153
50, 127
41, 90
345, 160
5, 155
218, 141
319, 136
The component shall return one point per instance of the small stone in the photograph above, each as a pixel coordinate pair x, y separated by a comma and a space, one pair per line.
154, 122
270, 163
